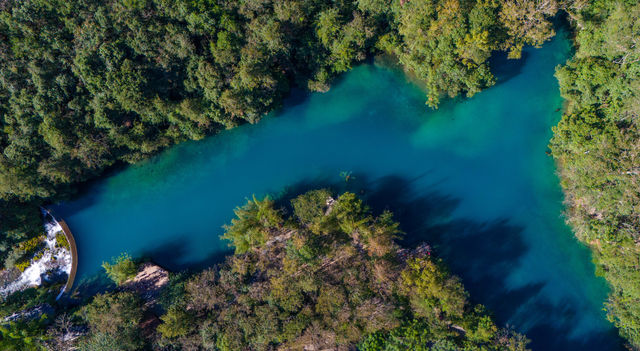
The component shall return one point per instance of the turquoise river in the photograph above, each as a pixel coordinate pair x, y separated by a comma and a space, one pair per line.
472, 178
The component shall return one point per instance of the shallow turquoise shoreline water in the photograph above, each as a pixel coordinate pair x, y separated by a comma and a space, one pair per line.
472, 178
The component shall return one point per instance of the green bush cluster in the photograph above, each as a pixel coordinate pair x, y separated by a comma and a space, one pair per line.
121, 268
22, 255
18, 222
22, 265
114, 322
27, 335
23, 335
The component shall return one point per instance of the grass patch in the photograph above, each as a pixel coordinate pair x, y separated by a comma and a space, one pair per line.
22, 265
32, 245
22, 254
61, 240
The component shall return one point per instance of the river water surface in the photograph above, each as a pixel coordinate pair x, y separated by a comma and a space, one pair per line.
471, 178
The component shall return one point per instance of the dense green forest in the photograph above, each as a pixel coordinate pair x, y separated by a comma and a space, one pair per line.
329, 276
86, 85
597, 147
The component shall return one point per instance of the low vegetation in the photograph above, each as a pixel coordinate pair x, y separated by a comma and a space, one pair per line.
22, 254
28, 333
61, 241
121, 268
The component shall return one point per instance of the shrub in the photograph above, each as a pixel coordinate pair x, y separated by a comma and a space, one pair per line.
32, 245
310, 208
22, 265
21, 255
121, 268
252, 224
13, 258
61, 240
177, 322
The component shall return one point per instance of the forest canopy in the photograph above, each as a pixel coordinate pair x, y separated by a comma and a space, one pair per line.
328, 276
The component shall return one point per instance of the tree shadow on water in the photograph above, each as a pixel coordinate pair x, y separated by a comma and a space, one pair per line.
483, 254
173, 256
504, 68
85, 287
554, 332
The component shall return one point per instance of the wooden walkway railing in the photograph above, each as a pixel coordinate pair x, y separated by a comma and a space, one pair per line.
74, 254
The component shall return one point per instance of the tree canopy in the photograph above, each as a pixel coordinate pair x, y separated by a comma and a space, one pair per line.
331, 277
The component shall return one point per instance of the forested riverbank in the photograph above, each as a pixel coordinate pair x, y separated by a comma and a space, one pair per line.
328, 276
597, 147
87, 85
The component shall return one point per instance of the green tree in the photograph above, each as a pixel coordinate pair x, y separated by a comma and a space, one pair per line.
23, 336
253, 224
527, 23
114, 322
121, 268
176, 322
437, 44
310, 208
432, 290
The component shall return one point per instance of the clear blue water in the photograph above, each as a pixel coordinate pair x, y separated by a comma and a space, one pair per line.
472, 178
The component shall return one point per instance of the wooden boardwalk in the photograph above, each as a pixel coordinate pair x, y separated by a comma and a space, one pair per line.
74, 254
